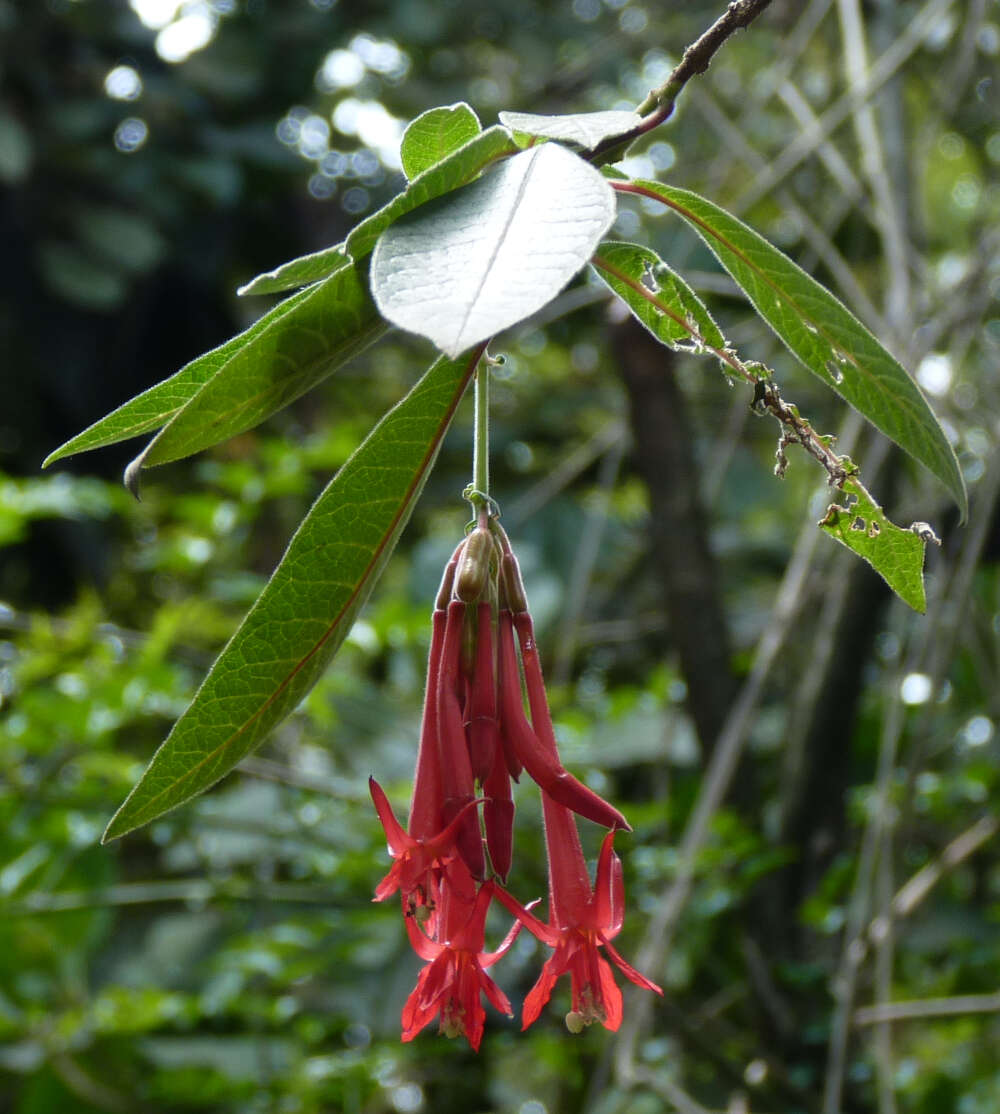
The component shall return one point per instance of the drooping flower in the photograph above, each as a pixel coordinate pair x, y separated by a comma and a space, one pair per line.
582, 920
455, 976
420, 863
533, 745
476, 736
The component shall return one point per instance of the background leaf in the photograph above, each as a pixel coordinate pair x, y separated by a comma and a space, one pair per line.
435, 134
586, 129
309, 604
658, 297
332, 323
457, 169
487, 256
825, 336
297, 272
155, 407
897, 555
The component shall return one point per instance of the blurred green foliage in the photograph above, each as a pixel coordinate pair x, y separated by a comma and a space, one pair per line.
229, 958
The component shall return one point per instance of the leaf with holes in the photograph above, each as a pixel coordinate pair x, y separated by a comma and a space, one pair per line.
309, 604
897, 555
659, 298
585, 129
487, 256
435, 134
825, 336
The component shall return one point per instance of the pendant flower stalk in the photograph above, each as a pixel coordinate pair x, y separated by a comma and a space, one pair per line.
448, 864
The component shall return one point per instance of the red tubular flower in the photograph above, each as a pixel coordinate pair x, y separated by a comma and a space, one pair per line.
422, 865
481, 726
498, 816
534, 744
451, 983
427, 805
453, 750
581, 920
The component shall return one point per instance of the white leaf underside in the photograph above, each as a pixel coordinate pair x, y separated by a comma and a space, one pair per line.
490, 254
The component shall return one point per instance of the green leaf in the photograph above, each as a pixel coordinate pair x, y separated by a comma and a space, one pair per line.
155, 407
897, 555
298, 272
659, 298
825, 336
333, 322
487, 256
457, 169
435, 134
309, 604
585, 129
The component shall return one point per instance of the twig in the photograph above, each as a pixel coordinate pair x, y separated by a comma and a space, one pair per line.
195, 890
659, 103
888, 211
578, 461
931, 654
740, 13
913, 892
928, 1007
587, 552
805, 143
767, 398
714, 785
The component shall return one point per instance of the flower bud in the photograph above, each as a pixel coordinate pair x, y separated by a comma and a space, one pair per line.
514, 596
473, 572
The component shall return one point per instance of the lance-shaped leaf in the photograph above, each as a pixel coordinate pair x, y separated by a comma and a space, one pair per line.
458, 168
585, 129
333, 322
298, 272
156, 406
658, 297
309, 604
435, 134
825, 336
453, 156
897, 555
486, 256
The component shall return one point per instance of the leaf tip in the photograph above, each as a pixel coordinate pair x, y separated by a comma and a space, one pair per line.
113, 831
132, 477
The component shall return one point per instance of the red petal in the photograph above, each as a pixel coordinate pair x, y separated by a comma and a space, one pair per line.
389, 884
609, 890
395, 836
540, 993
426, 949
609, 996
495, 995
537, 928
423, 1003
629, 971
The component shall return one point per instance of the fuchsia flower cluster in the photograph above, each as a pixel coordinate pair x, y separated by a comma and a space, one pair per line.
475, 738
